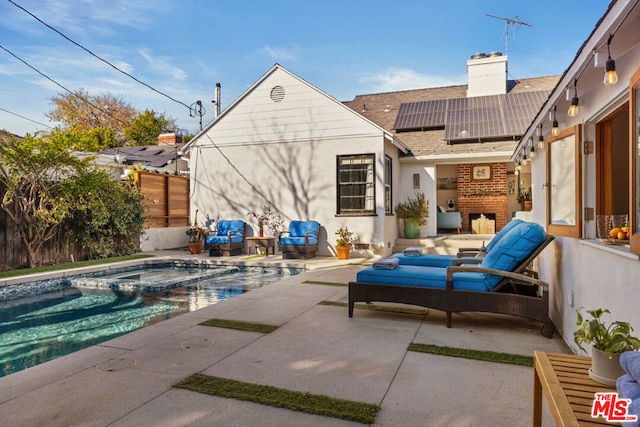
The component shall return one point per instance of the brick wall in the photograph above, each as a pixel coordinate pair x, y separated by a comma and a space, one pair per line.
483, 196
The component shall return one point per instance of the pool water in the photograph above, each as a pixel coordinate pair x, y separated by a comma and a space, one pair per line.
85, 311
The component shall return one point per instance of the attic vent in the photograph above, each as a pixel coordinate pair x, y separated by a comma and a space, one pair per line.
277, 93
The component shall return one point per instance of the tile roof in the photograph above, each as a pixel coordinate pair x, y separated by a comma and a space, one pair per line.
383, 109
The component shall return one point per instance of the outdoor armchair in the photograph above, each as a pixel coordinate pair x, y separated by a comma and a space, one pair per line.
228, 239
300, 240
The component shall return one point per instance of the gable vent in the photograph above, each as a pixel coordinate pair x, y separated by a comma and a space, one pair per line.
277, 93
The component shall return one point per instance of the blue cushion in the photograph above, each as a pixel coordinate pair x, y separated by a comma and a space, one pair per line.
297, 232
222, 240
511, 224
517, 244
299, 241
430, 277
225, 225
425, 260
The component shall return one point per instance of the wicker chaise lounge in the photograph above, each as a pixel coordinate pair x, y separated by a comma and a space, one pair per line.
502, 283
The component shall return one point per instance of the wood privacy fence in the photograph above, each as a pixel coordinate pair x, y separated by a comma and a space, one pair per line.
167, 199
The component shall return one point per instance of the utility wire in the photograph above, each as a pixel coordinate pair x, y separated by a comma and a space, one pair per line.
97, 57
26, 118
108, 113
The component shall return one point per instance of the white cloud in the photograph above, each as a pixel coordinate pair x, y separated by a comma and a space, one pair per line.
394, 79
280, 54
164, 65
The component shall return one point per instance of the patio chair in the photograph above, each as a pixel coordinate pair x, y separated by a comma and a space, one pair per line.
464, 255
301, 240
228, 239
494, 286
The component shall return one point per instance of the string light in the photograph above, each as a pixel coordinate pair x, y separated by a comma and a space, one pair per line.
610, 75
573, 108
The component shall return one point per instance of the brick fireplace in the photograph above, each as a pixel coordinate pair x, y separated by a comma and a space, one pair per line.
483, 197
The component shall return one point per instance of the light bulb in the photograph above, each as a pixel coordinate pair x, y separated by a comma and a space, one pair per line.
532, 154
610, 75
573, 108
541, 142
554, 130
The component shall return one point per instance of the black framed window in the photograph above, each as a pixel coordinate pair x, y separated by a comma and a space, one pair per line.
356, 184
388, 202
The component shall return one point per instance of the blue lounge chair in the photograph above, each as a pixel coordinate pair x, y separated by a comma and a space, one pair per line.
495, 286
301, 240
464, 255
228, 239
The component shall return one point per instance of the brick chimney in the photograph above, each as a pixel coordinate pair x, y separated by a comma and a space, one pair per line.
169, 138
487, 74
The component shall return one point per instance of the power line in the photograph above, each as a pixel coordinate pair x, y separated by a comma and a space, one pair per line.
26, 118
108, 113
97, 57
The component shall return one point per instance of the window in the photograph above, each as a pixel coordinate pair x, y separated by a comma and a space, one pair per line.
387, 185
612, 163
634, 205
564, 183
356, 184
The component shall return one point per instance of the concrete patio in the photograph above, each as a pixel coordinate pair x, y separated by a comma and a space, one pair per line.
128, 381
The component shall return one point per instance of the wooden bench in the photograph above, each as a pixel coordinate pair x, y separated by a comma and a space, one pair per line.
568, 389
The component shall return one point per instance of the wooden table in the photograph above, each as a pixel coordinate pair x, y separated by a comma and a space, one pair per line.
564, 378
483, 226
262, 242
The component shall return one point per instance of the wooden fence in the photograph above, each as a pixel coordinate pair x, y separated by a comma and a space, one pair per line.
167, 199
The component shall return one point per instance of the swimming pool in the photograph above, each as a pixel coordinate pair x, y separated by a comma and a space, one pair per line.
40, 321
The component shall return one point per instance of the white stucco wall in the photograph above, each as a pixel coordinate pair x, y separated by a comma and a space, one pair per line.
164, 238
595, 274
285, 152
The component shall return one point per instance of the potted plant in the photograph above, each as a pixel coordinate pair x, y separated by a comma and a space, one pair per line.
414, 212
196, 234
343, 242
607, 343
269, 218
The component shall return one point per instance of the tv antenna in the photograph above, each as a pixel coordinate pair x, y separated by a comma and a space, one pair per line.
514, 23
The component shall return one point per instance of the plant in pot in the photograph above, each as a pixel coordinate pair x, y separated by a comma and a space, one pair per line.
196, 234
343, 242
607, 343
414, 212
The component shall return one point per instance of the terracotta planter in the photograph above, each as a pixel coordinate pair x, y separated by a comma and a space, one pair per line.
343, 251
605, 370
195, 247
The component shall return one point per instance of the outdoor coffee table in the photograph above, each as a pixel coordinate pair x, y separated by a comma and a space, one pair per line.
567, 387
262, 242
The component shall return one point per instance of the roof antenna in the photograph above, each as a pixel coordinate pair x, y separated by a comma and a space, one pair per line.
513, 22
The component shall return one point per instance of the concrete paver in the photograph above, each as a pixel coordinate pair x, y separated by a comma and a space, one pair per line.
317, 349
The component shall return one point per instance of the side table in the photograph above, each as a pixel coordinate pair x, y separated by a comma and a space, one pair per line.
570, 392
261, 242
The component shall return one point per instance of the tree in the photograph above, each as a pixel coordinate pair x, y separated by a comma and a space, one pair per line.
83, 111
145, 128
93, 140
38, 174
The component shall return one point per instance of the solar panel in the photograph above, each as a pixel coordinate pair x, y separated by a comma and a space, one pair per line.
480, 117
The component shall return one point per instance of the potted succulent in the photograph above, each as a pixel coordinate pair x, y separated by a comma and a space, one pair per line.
414, 212
196, 234
343, 242
607, 343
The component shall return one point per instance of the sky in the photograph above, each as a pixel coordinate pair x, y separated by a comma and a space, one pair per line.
182, 48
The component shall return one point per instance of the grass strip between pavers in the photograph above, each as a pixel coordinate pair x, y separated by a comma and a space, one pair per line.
241, 326
388, 309
488, 356
313, 282
280, 398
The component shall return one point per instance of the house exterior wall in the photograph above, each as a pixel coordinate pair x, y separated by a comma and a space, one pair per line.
583, 272
284, 153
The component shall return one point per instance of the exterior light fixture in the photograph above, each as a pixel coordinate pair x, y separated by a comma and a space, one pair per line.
540, 138
573, 108
532, 151
610, 75
555, 130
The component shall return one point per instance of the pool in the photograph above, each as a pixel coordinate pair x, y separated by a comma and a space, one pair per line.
40, 321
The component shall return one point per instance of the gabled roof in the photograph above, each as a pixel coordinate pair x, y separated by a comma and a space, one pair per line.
390, 110
277, 67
